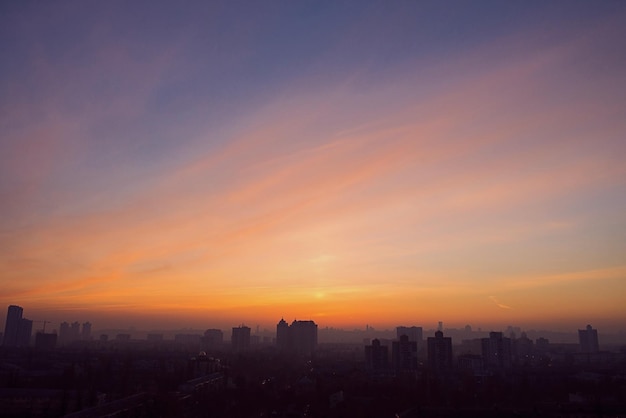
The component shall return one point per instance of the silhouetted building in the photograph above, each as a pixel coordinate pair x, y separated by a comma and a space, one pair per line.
303, 336
300, 337
542, 345
588, 339
439, 352
24, 332
64, 333
282, 335
404, 354
376, 356
523, 348
240, 338
86, 331
69, 333
45, 341
496, 351
213, 337
414, 333
12, 326
74, 331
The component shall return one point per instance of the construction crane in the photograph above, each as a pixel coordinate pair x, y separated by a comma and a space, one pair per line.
44, 325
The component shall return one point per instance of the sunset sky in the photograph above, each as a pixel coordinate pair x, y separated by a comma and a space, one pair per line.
211, 163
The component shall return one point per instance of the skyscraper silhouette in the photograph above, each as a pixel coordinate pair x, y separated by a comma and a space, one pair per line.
12, 326
300, 337
376, 356
240, 338
496, 351
404, 354
439, 352
588, 339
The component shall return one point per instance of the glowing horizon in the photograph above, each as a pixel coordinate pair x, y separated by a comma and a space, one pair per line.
241, 164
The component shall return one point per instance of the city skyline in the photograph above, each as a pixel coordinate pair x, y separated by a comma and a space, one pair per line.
347, 163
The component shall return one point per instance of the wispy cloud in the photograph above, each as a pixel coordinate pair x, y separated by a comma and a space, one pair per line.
498, 304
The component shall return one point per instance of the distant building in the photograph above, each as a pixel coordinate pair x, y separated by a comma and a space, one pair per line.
300, 337
542, 345
12, 326
69, 333
282, 335
303, 336
588, 339
240, 338
213, 337
24, 332
75, 331
86, 331
439, 352
404, 354
376, 356
496, 351
523, 348
414, 334
64, 333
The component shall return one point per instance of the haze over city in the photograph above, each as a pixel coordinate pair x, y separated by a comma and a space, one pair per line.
207, 164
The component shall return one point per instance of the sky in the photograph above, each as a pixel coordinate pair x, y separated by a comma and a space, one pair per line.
207, 164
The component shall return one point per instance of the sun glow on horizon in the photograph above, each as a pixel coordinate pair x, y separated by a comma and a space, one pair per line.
362, 174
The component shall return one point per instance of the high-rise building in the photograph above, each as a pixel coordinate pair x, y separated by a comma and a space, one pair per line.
522, 348
240, 338
588, 339
376, 356
414, 333
303, 336
213, 337
12, 326
404, 354
439, 352
86, 331
75, 331
496, 351
300, 337
64, 333
24, 332
282, 335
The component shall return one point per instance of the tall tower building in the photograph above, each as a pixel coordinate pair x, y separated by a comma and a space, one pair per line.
404, 354
299, 338
213, 337
439, 352
86, 331
588, 339
496, 351
414, 333
64, 333
376, 356
240, 338
282, 335
303, 336
12, 326
24, 332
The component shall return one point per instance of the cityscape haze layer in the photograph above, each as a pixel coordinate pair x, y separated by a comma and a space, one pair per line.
351, 163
